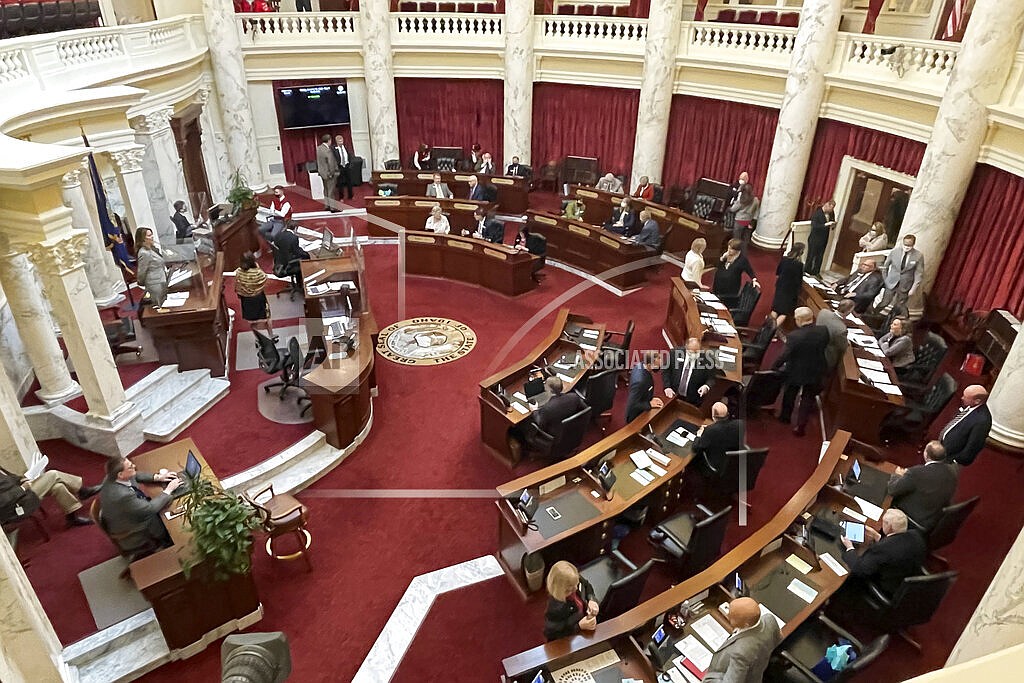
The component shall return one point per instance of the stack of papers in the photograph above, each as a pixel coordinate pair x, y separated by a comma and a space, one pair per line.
694, 650
643, 462
680, 437
708, 297
723, 327
179, 276
890, 389
718, 306
711, 632
309, 245
802, 591
587, 347
175, 299
306, 232
875, 376
727, 355
870, 364
590, 334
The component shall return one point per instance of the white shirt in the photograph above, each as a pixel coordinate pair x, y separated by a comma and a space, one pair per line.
693, 267
959, 417
280, 209
440, 226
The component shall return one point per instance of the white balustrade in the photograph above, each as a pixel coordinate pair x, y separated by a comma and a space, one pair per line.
750, 39
12, 66
578, 28
416, 27
923, 65
90, 48
297, 28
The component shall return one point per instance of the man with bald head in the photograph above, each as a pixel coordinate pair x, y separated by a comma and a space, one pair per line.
688, 373
964, 436
744, 655
862, 285
715, 439
834, 322
609, 183
803, 365
896, 554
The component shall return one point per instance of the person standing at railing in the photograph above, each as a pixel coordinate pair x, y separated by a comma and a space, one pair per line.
822, 222
303, 5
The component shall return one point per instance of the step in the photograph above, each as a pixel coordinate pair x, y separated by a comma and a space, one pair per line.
273, 468
147, 390
122, 652
165, 389
200, 393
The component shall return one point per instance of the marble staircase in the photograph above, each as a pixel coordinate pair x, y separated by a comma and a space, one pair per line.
122, 652
171, 400
291, 470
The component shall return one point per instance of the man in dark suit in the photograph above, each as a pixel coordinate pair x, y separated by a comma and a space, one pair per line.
488, 228
641, 387
515, 168
964, 436
623, 218
130, 515
287, 245
650, 235
744, 656
327, 168
894, 556
344, 165
862, 286
558, 407
923, 490
822, 222
689, 374
715, 439
803, 364
476, 190
486, 165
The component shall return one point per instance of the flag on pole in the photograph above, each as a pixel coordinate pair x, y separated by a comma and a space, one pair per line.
113, 236
956, 19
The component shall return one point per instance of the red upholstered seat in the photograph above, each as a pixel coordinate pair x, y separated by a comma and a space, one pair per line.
485, 8
622, 11
727, 16
566, 9
586, 10
604, 10
428, 6
768, 18
467, 7
407, 7
747, 16
789, 19
446, 7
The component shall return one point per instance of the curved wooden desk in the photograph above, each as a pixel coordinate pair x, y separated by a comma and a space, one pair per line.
497, 414
498, 267
683, 321
591, 249
599, 205
411, 213
512, 190
236, 235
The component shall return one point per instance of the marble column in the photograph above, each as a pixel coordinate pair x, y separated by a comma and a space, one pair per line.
519, 69
161, 167
656, 90
233, 92
134, 192
1005, 399
29, 647
798, 118
106, 290
18, 449
375, 20
35, 328
63, 274
982, 66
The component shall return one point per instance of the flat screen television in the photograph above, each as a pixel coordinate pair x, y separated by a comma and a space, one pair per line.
313, 106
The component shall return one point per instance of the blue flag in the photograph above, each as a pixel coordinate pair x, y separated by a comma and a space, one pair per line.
113, 235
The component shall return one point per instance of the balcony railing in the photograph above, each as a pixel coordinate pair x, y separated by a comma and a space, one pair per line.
594, 28
447, 32
927, 63
296, 28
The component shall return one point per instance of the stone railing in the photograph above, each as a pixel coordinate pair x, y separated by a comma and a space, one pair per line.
297, 28
743, 43
918, 65
87, 49
447, 31
583, 28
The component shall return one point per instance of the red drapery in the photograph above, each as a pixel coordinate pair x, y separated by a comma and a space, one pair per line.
449, 113
639, 8
698, 14
718, 139
985, 255
582, 120
299, 146
834, 139
874, 7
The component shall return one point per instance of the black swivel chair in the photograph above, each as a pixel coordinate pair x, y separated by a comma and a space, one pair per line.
619, 350
659, 194
445, 164
537, 245
759, 390
617, 582
896, 311
745, 305
567, 436
947, 527
916, 377
916, 417
392, 165
292, 269
803, 650
738, 474
755, 344
600, 395
288, 362
914, 602
690, 543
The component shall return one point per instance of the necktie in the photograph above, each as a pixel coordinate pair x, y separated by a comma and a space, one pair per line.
344, 155
139, 493
903, 264
852, 287
952, 423
684, 380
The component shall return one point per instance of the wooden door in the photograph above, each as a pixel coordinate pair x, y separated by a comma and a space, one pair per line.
188, 136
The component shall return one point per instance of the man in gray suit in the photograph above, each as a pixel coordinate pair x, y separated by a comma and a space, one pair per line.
127, 513
650, 235
835, 324
327, 168
903, 270
439, 189
744, 656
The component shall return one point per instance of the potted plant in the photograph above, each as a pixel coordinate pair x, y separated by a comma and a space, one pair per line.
222, 525
240, 195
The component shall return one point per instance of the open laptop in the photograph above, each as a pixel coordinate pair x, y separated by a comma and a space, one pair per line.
192, 469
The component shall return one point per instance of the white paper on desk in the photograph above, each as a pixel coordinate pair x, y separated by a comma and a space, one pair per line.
658, 457
765, 610
798, 564
708, 297
173, 303
562, 366
711, 632
868, 508
833, 564
302, 230
679, 439
178, 277
875, 375
307, 245
315, 275
37, 467
593, 334
519, 396
641, 479
588, 347
679, 674
802, 591
854, 319
890, 389
694, 650
564, 378
641, 459
853, 514
824, 447
658, 470
718, 306
520, 408
876, 352
870, 364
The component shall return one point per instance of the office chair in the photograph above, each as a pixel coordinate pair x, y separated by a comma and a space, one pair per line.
916, 417
745, 305
600, 395
619, 350
149, 547
288, 362
282, 515
292, 269
804, 649
725, 480
537, 245
392, 165
915, 602
755, 344
120, 333
548, 176
927, 359
692, 544
947, 527
446, 164
617, 582
567, 437
895, 311
661, 245
759, 390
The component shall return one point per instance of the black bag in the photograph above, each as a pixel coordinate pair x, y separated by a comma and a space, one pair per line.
16, 503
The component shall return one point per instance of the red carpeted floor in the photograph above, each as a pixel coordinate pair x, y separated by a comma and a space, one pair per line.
366, 550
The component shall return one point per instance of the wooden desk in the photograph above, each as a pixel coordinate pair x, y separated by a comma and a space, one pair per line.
581, 534
237, 235
682, 321
340, 388
192, 612
513, 191
411, 213
497, 416
847, 402
591, 249
497, 267
688, 227
193, 336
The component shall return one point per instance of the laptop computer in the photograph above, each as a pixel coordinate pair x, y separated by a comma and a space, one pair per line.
192, 469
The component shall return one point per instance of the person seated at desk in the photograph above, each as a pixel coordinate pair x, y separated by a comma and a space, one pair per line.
623, 220
571, 604
715, 439
644, 189
650, 233
287, 245
897, 345
688, 376
128, 514
744, 656
280, 213
923, 490
693, 263
485, 166
66, 489
438, 222
150, 269
476, 190
862, 286
641, 386
250, 286
439, 189
487, 227
182, 225
729, 274
574, 209
895, 555
516, 169
558, 407
421, 158
609, 183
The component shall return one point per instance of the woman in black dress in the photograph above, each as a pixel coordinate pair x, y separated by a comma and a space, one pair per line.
789, 275
729, 274
571, 607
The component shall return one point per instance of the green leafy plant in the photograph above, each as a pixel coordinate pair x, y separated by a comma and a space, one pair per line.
221, 524
240, 195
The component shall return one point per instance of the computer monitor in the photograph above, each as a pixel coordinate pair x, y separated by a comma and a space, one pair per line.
739, 588
855, 470
192, 466
327, 242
